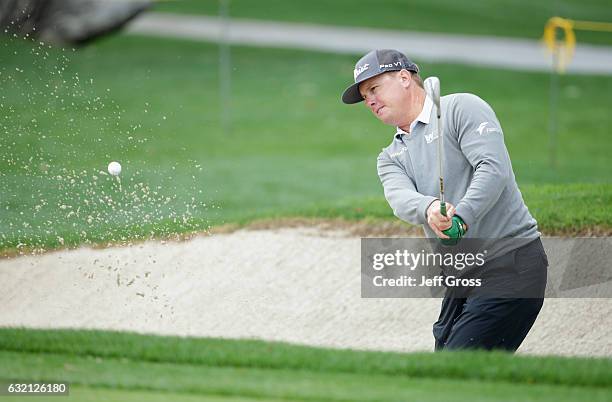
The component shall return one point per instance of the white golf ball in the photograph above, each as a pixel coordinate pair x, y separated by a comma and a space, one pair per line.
114, 168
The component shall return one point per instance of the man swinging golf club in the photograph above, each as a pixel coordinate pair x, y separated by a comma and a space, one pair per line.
447, 168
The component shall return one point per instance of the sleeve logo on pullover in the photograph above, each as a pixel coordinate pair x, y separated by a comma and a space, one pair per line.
483, 129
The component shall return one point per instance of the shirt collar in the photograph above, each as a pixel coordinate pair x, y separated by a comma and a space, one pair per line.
423, 117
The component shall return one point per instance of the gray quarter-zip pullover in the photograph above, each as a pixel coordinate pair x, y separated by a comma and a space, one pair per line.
478, 176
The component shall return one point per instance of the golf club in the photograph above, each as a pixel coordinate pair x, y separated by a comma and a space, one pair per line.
432, 88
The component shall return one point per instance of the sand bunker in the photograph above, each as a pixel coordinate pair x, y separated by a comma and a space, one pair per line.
299, 285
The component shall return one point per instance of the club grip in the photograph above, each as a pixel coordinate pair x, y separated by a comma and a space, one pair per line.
443, 208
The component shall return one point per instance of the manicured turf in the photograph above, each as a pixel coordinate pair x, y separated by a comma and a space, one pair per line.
278, 384
256, 369
553, 205
520, 18
293, 148
88, 394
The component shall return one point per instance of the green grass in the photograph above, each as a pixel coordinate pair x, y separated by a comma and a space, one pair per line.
293, 148
279, 384
106, 362
543, 200
89, 394
517, 18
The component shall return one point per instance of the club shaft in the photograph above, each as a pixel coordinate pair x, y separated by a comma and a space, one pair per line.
441, 164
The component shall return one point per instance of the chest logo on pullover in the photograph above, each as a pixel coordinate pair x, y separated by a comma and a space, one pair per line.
483, 129
431, 136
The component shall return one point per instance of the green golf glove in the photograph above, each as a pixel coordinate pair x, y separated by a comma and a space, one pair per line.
455, 232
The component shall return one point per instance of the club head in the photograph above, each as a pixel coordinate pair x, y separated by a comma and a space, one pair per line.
432, 88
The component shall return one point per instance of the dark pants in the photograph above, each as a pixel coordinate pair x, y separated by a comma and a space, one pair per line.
485, 322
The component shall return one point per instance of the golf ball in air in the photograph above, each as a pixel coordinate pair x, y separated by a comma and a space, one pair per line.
114, 168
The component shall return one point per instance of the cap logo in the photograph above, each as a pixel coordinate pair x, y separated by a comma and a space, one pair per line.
360, 69
390, 65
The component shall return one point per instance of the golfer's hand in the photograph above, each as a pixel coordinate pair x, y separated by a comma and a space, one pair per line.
438, 222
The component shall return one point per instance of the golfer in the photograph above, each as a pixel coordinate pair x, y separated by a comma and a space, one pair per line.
482, 197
